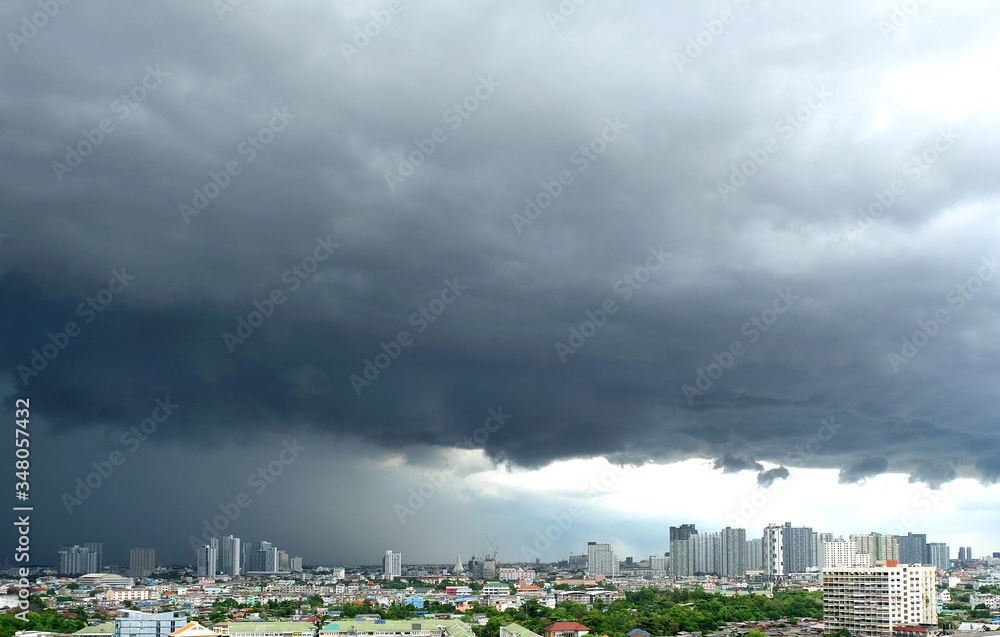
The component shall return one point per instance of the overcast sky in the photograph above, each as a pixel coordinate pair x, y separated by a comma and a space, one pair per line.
456, 269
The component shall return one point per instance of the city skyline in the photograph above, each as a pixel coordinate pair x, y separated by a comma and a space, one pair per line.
535, 273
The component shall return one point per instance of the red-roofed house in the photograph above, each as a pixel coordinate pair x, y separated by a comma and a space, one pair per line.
566, 629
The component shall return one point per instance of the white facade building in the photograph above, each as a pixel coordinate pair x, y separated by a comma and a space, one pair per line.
873, 601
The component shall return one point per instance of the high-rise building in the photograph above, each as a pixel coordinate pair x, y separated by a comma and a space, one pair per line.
799, 550
819, 541
968, 553
97, 548
913, 548
208, 559
392, 564
755, 554
880, 547
228, 555
734, 543
844, 553
79, 560
940, 556
874, 601
706, 553
141, 562
578, 562
132, 623
295, 564
682, 550
961, 554
774, 552
260, 557
601, 560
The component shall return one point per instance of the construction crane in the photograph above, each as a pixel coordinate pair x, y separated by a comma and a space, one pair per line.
495, 550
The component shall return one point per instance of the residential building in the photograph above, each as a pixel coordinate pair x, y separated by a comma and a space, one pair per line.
706, 553
601, 560
876, 601
774, 552
880, 547
392, 564
132, 623
127, 594
733, 562
913, 548
799, 551
228, 555
141, 563
208, 560
844, 553
682, 550
566, 629
78, 560
940, 556
819, 542
755, 554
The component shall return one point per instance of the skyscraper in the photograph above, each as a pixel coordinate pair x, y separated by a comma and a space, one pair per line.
141, 562
734, 541
79, 560
880, 547
755, 554
392, 564
681, 550
961, 554
601, 560
940, 556
913, 548
799, 550
228, 555
208, 559
968, 553
706, 551
97, 548
774, 552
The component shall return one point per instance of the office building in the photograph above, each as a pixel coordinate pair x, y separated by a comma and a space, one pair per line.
601, 560
392, 564
876, 601
940, 556
733, 552
132, 623
141, 563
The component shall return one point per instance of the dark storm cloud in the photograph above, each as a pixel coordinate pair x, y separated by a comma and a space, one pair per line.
769, 477
775, 311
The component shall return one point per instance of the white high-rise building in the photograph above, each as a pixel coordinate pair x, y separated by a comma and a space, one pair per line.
844, 553
774, 551
872, 601
392, 564
601, 560
208, 560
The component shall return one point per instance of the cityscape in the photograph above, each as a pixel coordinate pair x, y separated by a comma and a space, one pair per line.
500, 318
864, 585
